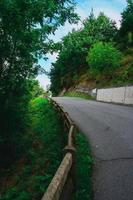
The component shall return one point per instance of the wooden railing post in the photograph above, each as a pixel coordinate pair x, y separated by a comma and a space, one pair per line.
64, 181
72, 150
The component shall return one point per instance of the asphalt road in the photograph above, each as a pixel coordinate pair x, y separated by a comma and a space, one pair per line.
109, 129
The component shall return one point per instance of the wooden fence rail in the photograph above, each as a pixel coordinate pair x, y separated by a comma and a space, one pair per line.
56, 186
63, 183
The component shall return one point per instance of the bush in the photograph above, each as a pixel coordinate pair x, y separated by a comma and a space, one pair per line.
29, 177
77, 94
103, 58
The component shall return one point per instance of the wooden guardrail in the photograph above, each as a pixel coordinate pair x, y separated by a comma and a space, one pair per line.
63, 183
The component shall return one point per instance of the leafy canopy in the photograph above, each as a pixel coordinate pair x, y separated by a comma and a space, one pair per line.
71, 62
24, 29
103, 58
126, 29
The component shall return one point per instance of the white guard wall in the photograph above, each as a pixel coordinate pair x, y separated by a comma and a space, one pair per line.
122, 95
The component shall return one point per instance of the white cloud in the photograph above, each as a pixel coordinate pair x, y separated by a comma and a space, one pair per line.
122, 2
113, 14
43, 80
52, 57
81, 12
110, 8
64, 30
47, 63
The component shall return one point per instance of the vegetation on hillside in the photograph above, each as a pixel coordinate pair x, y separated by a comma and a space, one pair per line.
103, 58
126, 29
30, 130
31, 133
29, 177
97, 51
24, 29
84, 163
77, 94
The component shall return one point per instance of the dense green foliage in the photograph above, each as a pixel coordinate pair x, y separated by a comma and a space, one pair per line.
103, 58
30, 139
98, 35
37, 90
29, 177
101, 28
126, 30
24, 29
71, 61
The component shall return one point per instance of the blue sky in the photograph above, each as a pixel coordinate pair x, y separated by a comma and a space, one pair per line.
112, 8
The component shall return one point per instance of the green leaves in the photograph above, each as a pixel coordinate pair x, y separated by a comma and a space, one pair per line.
101, 28
126, 29
36, 167
24, 29
71, 61
103, 58
84, 163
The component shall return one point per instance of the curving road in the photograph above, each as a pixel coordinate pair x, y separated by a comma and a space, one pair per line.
109, 129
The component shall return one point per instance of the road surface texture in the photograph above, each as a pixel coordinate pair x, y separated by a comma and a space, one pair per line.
109, 129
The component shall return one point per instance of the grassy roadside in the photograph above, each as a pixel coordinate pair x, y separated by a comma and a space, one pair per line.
84, 163
78, 94
28, 178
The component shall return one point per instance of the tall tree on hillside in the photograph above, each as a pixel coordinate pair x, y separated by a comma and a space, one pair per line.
104, 59
71, 62
101, 28
126, 30
24, 29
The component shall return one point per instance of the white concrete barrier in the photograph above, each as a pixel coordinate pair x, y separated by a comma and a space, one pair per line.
129, 95
118, 95
122, 95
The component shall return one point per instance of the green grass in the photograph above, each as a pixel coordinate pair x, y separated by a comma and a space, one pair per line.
78, 94
28, 178
84, 163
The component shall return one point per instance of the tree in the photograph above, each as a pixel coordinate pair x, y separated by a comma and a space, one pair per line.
103, 58
71, 62
101, 28
126, 29
37, 90
24, 29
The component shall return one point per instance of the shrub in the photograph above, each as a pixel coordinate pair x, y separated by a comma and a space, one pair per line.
29, 177
103, 58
